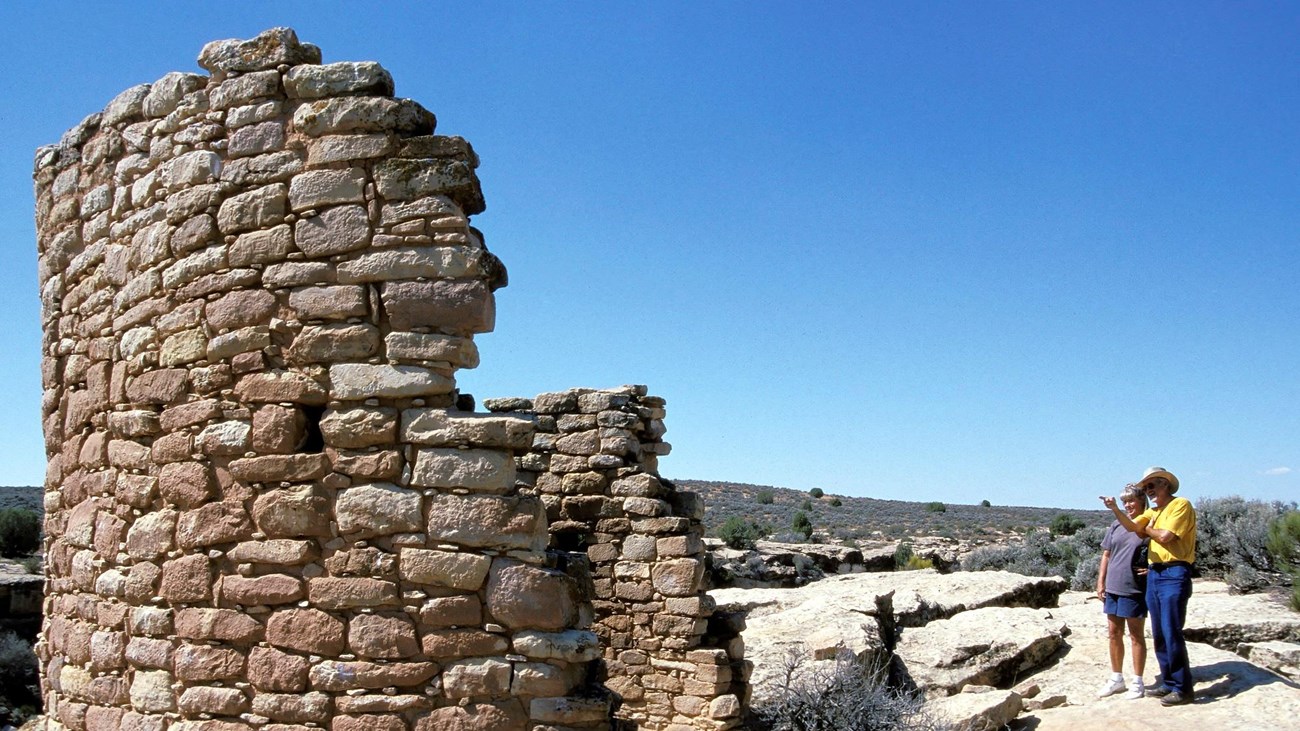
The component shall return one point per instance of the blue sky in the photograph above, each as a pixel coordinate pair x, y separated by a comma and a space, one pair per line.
931, 251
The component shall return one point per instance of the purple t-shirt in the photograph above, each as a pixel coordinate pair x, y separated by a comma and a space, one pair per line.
1122, 544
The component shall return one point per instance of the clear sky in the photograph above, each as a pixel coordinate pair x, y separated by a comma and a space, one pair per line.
922, 251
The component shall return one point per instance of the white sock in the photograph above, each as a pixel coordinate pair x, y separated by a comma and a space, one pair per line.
1117, 676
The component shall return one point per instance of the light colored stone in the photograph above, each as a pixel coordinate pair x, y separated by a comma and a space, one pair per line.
319, 188
448, 428
411, 262
459, 352
338, 79
376, 509
357, 381
335, 230
477, 470
444, 568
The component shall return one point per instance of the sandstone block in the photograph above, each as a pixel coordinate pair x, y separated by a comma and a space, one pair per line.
186, 579
256, 139
245, 88
272, 670
541, 680
133, 424
218, 701
448, 428
478, 470
194, 234
385, 464
444, 568
107, 650
279, 386
411, 262
678, 577
357, 381
280, 468
333, 342
457, 352
145, 621
379, 508
166, 93
277, 551
149, 652
362, 115
277, 429
319, 188
267, 51
152, 535
338, 79
225, 438
478, 677
261, 247
151, 691
260, 208
452, 611
293, 708
499, 716
157, 387
569, 710
340, 148
453, 307
329, 303
487, 521
306, 630
221, 624
332, 676
380, 637
368, 722
350, 593
190, 414
128, 455
405, 179
359, 427
185, 484
256, 590
213, 524
335, 230
458, 643
241, 308
293, 512
521, 596
203, 664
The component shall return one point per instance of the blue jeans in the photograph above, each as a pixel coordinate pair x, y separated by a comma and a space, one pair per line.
1168, 590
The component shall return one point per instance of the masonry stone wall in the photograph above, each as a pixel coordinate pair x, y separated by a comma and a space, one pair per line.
594, 462
264, 509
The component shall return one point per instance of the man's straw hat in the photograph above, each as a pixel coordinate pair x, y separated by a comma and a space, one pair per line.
1154, 472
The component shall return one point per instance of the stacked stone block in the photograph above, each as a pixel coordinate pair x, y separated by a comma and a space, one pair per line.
594, 462
263, 508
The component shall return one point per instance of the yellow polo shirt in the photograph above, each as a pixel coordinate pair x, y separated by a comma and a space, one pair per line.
1179, 518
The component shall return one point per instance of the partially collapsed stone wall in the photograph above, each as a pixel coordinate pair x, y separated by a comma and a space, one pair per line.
264, 509
594, 461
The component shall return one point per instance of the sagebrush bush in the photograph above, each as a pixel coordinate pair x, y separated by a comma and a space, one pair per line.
802, 524
936, 507
1284, 541
740, 533
1232, 540
1042, 555
845, 695
20, 532
1066, 525
816, 492
18, 669
765, 497
902, 554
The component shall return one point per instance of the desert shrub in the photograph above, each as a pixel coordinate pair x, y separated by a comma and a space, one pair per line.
1041, 555
740, 533
985, 504
936, 507
20, 532
806, 504
1085, 573
836, 502
847, 694
765, 497
915, 563
802, 524
1232, 540
1066, 525
902, 555
18, 670
816, 492
31, 563
1284, 541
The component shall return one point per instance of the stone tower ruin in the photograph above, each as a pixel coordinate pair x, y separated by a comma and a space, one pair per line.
267, 505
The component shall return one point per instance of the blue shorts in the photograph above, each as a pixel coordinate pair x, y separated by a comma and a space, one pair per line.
1125, 606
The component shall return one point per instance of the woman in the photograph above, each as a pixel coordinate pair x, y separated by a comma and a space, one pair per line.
1121, 585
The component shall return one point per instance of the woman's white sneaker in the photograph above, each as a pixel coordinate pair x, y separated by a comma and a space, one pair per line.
1111, 687
1135, 690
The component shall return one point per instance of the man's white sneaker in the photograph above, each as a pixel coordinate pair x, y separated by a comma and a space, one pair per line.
1135, 691
1111, 687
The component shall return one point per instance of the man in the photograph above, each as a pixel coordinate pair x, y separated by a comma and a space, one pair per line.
1171, 526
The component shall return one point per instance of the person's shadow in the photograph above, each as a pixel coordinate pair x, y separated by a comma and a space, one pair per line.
1228, 678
